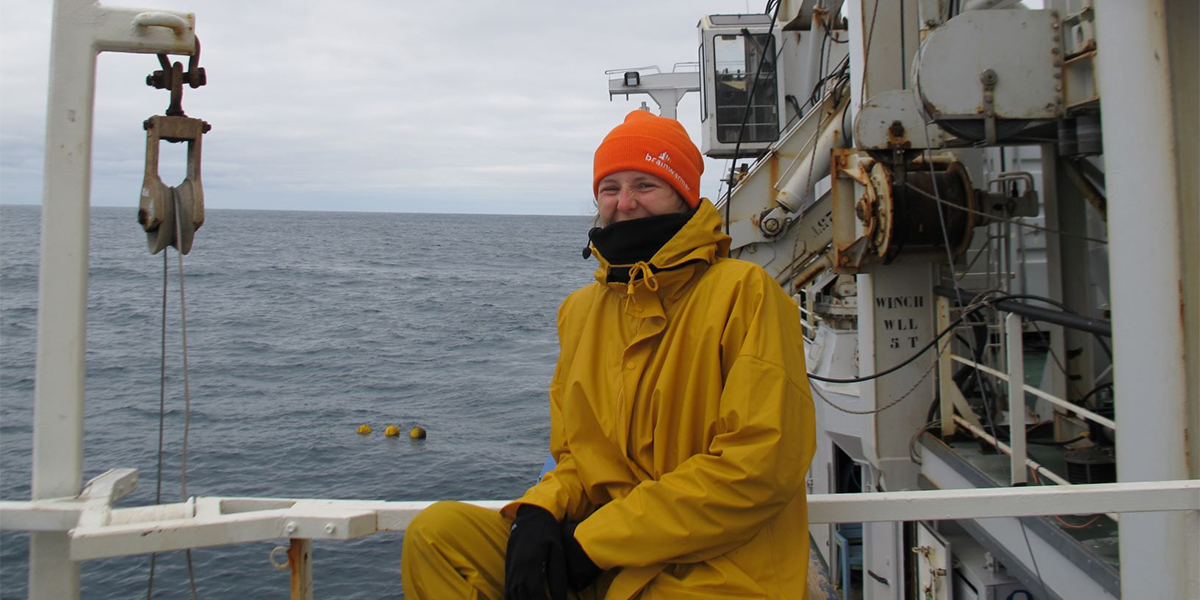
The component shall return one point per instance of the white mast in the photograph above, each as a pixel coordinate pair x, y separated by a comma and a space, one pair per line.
81, 30
1150, 368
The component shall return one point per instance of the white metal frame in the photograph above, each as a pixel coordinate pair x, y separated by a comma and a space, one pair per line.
82, 29
1158, 551
1055, 400
97, 530
667, 89
93, 529
1016, 449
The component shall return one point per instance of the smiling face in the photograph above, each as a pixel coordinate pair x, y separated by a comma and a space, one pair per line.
628, 195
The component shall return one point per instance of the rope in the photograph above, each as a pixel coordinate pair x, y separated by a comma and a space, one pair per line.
912, 442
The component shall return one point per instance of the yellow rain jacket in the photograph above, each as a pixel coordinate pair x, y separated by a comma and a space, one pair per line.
682, 423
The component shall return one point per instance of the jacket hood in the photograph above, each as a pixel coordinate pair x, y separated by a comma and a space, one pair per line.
700, 239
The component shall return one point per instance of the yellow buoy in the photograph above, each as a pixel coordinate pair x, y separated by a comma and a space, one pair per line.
364, 429
417, 433
392, 431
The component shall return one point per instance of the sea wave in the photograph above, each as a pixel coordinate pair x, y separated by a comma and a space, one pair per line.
301, 326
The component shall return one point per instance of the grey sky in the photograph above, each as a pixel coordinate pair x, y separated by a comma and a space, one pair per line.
471, 106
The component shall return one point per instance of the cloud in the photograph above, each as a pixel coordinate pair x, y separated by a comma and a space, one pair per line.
365, 105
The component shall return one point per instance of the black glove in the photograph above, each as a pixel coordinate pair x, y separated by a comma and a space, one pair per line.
581, 571
534, 558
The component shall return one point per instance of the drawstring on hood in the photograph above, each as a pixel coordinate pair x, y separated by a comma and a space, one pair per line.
647, 273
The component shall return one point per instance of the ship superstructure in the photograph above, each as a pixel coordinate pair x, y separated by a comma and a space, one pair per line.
988, 215
937, 183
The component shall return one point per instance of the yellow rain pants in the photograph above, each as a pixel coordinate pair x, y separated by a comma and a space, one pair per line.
455, 550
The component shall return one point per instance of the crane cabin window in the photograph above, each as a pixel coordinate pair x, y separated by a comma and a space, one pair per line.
736, 60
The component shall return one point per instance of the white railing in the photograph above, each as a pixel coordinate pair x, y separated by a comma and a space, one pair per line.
809, 320
97, 530
1016, 449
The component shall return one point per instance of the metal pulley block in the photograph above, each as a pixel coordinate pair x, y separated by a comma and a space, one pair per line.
159, 202
171, 215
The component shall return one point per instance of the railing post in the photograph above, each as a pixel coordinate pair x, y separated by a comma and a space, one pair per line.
809, 302
946, 387
300, 559
1016, 396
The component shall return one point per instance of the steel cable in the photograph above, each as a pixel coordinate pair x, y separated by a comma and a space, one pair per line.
955, 323
890, 404
187, 391
187, 398
927, 195
162, 411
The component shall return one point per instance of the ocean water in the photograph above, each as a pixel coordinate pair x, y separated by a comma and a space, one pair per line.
301, 326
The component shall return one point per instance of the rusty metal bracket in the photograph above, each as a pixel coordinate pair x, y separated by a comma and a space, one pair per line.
172, 77
846, 256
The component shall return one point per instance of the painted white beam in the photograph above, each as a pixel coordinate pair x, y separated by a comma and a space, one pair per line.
853, 508
81, 29
1028, 501
40, 515
327, 523
1146, 283
223, 521
393, 516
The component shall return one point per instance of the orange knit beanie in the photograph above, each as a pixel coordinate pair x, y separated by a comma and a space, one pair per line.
655, 145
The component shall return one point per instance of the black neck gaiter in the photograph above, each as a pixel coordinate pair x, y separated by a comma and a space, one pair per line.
628, 242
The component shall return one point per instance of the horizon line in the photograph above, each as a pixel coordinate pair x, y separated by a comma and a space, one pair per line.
319, 210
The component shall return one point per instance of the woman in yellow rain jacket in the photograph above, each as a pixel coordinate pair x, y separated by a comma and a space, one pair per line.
681, 417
